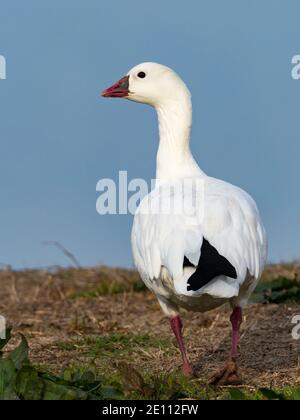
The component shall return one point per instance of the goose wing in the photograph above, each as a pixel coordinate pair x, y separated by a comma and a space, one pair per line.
218, 233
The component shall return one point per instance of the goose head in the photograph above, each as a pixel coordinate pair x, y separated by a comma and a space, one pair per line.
149, 83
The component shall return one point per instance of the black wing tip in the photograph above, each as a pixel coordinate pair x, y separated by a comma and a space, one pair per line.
187, 262
190, 288
233, 274
211, 265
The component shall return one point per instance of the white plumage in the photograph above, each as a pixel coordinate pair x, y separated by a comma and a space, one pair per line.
190, 220
230, 223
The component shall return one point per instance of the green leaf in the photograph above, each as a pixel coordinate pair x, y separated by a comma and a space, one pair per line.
237, 394
29, 386
296, 394
20, 354
269, 394
8, 375
109, 392
68, 375
55, 392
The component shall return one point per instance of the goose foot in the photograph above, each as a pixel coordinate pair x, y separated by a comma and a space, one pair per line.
229, 375
188, 371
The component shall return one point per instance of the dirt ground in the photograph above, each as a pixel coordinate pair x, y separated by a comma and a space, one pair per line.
65, 306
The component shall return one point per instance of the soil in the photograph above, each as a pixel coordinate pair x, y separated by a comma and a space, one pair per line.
51, 308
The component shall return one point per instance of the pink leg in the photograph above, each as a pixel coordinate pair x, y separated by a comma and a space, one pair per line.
236, 321
229, 375
176, 326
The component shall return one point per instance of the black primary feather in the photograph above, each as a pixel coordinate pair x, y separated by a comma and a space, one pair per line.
211, 265
187, 263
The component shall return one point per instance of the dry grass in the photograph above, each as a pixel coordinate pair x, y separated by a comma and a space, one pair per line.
81, 316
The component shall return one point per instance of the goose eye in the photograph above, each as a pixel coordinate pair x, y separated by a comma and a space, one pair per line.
141, 75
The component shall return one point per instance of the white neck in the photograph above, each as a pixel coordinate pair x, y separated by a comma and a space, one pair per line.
174, 158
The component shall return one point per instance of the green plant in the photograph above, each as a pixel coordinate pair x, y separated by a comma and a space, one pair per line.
277, 291
20, 380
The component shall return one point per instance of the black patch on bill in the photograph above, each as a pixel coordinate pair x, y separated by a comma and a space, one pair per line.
124, 83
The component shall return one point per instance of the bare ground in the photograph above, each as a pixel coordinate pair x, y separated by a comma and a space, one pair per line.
54, 309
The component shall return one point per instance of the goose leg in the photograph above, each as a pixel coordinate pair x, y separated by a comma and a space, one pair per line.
229, 375
176, 326
236, 320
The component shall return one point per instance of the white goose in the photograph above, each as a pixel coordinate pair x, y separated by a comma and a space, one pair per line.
214, 249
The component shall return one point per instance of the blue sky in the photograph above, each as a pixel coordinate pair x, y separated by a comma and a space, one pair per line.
58, 137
